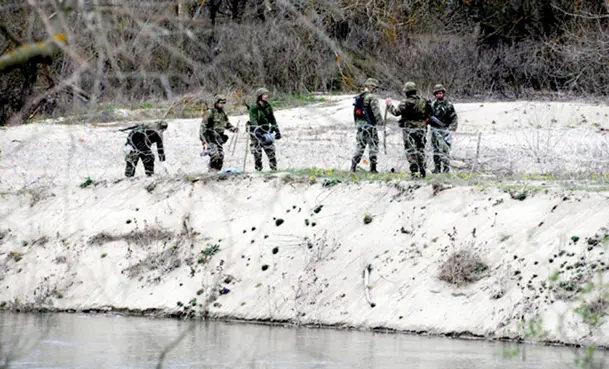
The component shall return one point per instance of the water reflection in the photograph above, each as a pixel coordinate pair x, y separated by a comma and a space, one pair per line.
83, 341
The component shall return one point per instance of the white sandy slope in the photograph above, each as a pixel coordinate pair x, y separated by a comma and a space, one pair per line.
51, 254
316, 275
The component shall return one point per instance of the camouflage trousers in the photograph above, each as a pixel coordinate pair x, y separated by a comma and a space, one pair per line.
134, 157
216, 152
216, 156
414, 144
441, 150
256, 148
367, 136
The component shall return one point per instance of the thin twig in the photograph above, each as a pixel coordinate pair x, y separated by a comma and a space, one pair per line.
475, 164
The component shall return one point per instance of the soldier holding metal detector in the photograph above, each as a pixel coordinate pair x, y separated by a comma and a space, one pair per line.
263, 130
211, 133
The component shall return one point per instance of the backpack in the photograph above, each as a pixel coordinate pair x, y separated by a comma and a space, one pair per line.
360, 111
419, 109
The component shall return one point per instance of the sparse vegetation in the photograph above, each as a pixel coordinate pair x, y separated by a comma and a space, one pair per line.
87, 182
142, 238
462, 267
211, 250
17, 256
592, 312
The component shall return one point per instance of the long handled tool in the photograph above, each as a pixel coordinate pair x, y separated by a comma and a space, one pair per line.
247, 137
385, 130
233, 144
247, 141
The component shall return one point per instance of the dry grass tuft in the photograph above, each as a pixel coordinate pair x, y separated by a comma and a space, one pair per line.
462, 267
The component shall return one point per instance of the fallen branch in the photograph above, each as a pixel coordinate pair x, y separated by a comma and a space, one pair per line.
31, 51
367, 271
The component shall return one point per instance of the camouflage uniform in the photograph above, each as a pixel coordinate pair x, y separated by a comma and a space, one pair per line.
367, 132
262, 121
414, 111
212, 133
141, 139
445, 112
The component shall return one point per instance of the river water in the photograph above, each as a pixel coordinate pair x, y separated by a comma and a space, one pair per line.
98, 341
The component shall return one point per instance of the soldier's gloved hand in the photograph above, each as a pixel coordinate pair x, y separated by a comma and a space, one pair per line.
234, 129
277, 135
388, 101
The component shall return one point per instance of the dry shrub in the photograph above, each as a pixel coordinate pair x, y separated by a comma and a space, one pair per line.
462, 267
143, 238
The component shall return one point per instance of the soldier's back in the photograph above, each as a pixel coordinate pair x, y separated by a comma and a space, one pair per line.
414, 110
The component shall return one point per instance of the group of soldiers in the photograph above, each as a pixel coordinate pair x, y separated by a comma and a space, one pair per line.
262, 128
416, 114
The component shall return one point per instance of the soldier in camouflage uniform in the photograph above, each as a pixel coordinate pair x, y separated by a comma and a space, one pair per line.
261, 127
414, 111
441, 138
141, 139
211, 132
367, 132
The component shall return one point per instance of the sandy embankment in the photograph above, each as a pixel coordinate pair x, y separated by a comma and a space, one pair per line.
77, 250
141, 244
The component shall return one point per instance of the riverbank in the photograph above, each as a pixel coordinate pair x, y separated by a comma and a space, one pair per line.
447, 258
510, 245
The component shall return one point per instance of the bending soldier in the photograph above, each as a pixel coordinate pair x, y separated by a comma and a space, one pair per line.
141, 139
211, 132
261, 127
367, 116
441, 139
414, 112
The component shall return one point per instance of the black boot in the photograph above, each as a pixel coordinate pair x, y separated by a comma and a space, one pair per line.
353, 165
373, 167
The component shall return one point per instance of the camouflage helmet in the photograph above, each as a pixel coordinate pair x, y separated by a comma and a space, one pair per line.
409, 87
160, 125
261, 91
437, 88
220, 99
372, 82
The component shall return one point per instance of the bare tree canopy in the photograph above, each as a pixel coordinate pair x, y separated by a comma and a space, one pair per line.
92, 51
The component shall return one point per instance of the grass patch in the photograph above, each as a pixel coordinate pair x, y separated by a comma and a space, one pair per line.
208, 252
86, 183
520, 186
462, 267
332, 177
211, 250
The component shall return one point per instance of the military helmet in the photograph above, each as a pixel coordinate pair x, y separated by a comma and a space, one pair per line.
372, 82
220, 99
160, 124
438, 88
261, 91
409, 87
